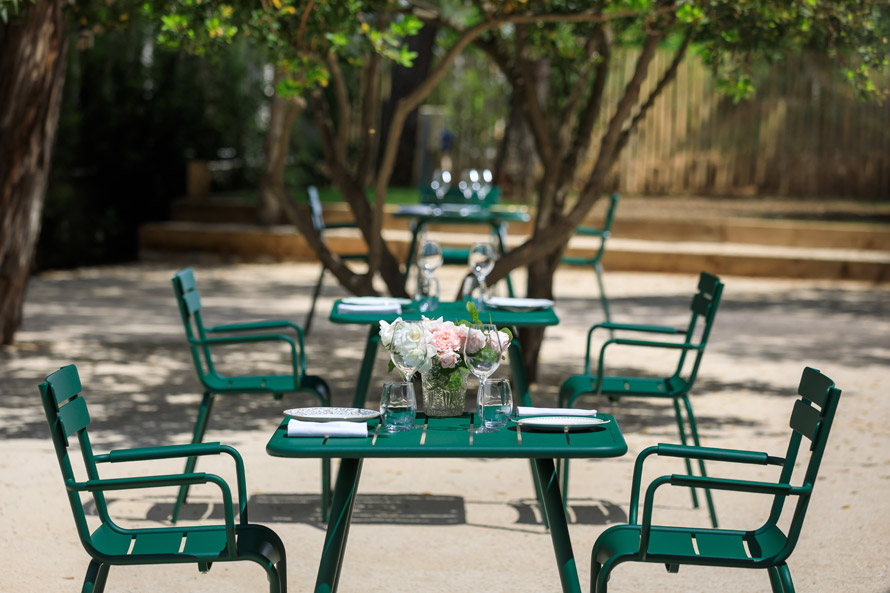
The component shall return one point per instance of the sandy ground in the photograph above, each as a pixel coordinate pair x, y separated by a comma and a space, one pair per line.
450, 525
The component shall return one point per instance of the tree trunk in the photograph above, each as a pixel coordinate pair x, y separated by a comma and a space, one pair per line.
32, 74
540, 286
404, 81
282, 114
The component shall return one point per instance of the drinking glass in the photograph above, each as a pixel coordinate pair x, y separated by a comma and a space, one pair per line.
482, 352
481, 262
495, 403
427, 294
398, 406
429, 257
408, 348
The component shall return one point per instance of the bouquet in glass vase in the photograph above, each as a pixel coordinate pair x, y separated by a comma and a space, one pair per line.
444, 373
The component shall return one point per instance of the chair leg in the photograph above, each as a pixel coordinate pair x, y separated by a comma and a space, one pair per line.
197, 437
562, 467
308, 325
94, 582
598, 268
688, 463
785, 576
693, 429
775, 580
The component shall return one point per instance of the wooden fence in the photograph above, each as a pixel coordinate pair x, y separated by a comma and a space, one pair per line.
804, 133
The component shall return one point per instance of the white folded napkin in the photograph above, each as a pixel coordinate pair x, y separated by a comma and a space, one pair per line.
529, 411
394, 308
518, 303
300, 428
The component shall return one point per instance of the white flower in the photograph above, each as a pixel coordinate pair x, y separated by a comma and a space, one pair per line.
386, 332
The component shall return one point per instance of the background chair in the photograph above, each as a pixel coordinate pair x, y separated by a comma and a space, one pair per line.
110, 544
597, 259
675, 387
321, 227
766, 547
202, 340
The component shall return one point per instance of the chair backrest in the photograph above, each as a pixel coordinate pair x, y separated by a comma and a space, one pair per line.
185, 287
67, 416
315, 208
811, 419
704, 309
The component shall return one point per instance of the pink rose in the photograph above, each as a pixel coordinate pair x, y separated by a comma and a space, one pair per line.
445, 337
475, 340
504, 340
448, 358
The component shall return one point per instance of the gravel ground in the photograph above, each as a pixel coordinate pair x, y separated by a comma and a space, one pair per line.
450, 525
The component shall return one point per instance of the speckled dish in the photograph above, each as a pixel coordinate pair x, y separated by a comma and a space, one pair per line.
328, 414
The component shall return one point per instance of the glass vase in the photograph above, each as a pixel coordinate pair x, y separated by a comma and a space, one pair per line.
438, 398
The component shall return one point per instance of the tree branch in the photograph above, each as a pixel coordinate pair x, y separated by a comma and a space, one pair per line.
584, 131
343, 106
610, 142
669, 74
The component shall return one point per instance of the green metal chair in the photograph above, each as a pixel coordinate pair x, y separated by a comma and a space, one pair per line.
202, 340
597, 259
767, 546
321, 227
110, 544
675, 387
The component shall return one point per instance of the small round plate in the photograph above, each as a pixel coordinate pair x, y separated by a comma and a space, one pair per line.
328, 414
559, 423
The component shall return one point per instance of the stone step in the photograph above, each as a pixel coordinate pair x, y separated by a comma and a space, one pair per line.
239, 242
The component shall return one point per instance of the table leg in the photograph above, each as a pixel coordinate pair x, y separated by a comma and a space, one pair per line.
501, 232
412, 248
559, 529
364, 375
338, 526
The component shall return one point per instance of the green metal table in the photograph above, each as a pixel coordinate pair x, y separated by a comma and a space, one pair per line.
447, 438
497, 217
450, 311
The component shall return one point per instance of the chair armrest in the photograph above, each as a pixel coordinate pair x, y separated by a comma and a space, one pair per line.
661, 329
257, 325
102, 485
191, 450
752, 487
590, 231
692, 452
297, 358
642, 343
715, 454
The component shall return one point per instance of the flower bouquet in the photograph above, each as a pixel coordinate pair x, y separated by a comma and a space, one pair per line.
444, 372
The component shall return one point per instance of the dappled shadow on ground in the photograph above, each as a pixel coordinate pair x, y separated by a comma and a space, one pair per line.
121, 327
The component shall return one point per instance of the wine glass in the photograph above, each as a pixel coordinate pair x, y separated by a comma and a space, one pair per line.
481, 261
482, 352
408, 347
429, 257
